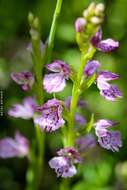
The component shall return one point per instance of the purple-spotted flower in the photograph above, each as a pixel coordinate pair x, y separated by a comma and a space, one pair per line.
51, 116
110, 140
85, 143
24, 78
102, 125
25, 110
64, 162
80, 24
104, 45
110, 92
17, 147
55, 82
91, 67
71, 153
62, 166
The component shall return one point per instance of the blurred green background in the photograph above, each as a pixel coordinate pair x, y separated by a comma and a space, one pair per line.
102, 170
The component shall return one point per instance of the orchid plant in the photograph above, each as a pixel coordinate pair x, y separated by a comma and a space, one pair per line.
54, 114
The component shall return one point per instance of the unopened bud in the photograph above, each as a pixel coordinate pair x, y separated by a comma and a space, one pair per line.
91, 7
85, 13
36, 23
30, 17
80, 24
99, 8
95, 20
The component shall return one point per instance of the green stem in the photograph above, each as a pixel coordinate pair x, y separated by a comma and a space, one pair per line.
38, 68
75, 95
36, 162
64, 185
53, 29
34, 172
40, 137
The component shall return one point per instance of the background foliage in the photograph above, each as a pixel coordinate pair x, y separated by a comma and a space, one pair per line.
102, 170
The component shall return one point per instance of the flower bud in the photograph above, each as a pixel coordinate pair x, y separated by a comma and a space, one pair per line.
85, 13
91, 67
80, 24
99, 8
95, 20
30, 17
36, 23
91, 7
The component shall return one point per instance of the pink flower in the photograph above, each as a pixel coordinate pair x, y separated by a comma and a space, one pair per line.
104, 45
62, 167
25, 110
80, 24
56, 82
17, 147
110, 140
91, 67
24, 78
51, 116
110, 92
64, 162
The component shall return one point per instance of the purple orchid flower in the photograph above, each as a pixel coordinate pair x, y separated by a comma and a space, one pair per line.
62, 166
86, 142
110, 140
51, 116
102, 125
110, 92
64, 162
71, 153
104, 45
107, 76
24, 78
25, 110
17, 147
96, 38
55, 82
91, 67
80, 24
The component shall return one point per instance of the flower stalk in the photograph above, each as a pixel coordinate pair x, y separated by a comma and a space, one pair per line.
53, 29
38, 61
76, 92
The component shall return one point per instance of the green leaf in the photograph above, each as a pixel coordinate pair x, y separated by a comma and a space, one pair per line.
73, 74
65, 113
90, 81
90, 124
87, 128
